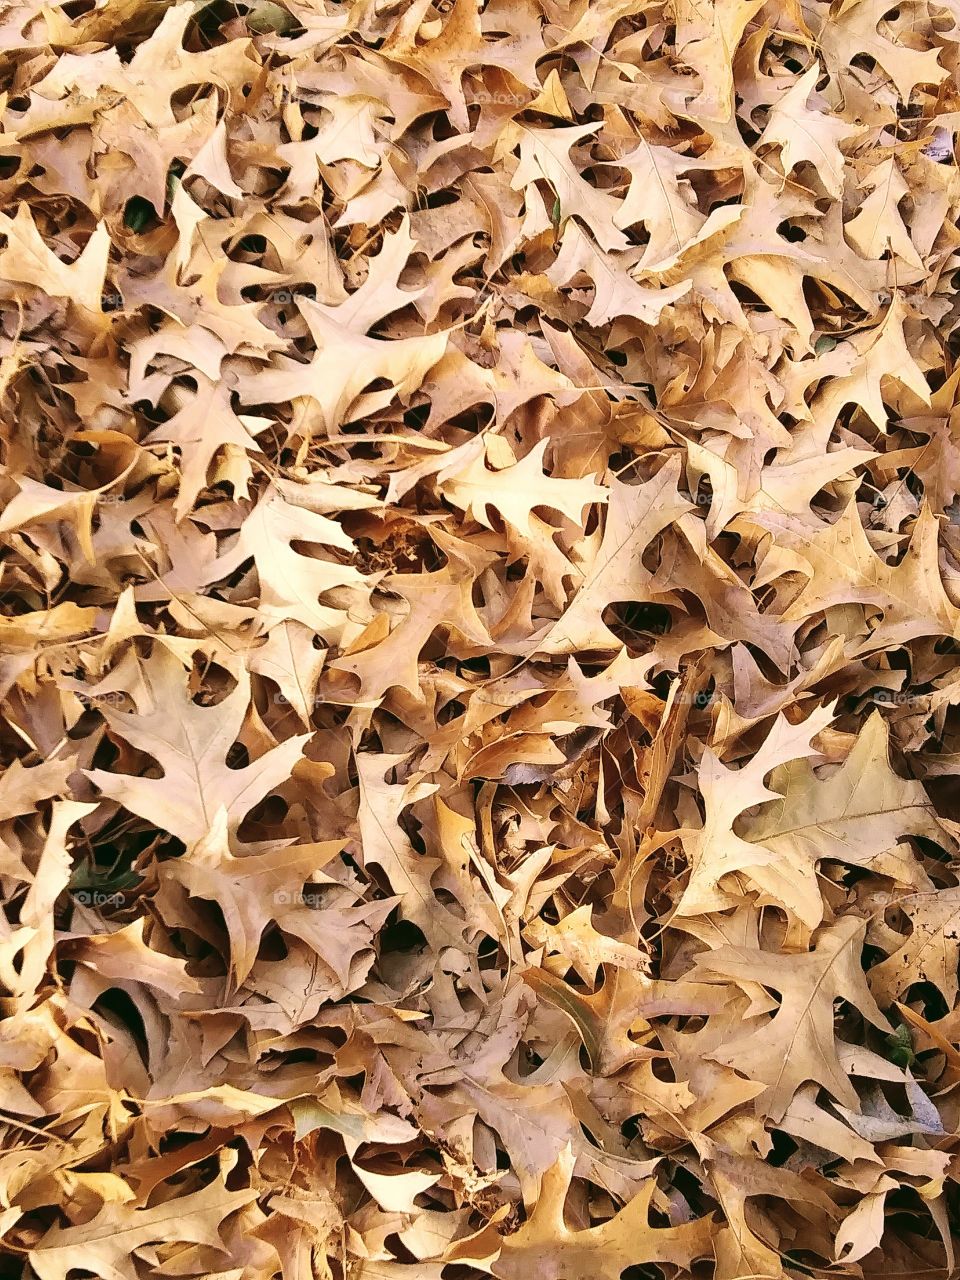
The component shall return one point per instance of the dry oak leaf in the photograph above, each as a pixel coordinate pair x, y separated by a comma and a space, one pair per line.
191, 743
862, 1228
515, 490
344, 364
436, 599
380, 294
878, 226
616, 292
30, 631
608, 1019
798, 1043
605, 1019
636, 514
385, 843
38, 504
707, 39
159, 68
203, 423
785, 485
581, 947
545, 155
291, 584
806, 135
546, 1249
845, 569
218, 1105
741, 1244
876, 1121
106, 1245
665, 204
857, 815
534, 1123
716, 851
26, 259
26, 948
931, 953
105, 22
298, 1229
459, 45
660, 199
250, 890
348, 133
22, 789
882, 353
343, 937
855, 31
126, 956
291, 660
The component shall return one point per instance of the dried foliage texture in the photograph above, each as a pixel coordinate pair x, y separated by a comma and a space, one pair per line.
480, 570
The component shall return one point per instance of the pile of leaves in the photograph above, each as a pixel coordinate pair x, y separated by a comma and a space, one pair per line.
480, 571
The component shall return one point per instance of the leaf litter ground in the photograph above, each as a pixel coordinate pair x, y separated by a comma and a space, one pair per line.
480, 605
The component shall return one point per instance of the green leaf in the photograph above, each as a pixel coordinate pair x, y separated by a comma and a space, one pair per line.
309, 1115
174, 174
900, 1047
138, 213
266, 16
91, 877
824, 343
